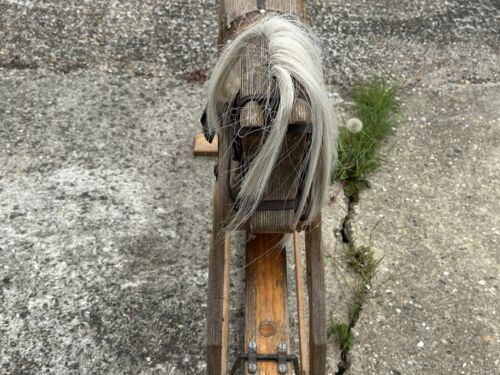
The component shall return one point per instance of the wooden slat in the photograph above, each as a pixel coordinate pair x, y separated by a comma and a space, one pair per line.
225, 301
218, 274
218, 300
299, 282
266, 297
201, 147
317, 295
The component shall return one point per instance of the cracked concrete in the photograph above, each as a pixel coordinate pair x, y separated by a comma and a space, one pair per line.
105, 215
434, 305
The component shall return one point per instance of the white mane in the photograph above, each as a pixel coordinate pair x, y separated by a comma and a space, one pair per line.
294, 55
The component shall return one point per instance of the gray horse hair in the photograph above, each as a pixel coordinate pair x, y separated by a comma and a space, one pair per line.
293, 54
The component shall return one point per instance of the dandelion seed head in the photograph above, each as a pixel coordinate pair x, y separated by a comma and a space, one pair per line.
354, 125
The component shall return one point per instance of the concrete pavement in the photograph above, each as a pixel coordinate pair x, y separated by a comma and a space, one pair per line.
105, 214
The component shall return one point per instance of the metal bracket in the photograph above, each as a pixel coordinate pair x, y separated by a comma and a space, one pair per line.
282, 359
252, 357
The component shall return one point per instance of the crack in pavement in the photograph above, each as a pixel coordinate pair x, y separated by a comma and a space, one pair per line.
347, 238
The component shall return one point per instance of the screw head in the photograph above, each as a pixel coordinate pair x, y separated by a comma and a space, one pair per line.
252, 345
252, 368
282, 347
282, 369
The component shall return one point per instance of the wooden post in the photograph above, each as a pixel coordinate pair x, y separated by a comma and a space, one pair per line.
218, 304
317, 297
218, 273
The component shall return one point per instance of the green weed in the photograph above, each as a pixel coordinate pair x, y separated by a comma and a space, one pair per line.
375, 105
361, 259
344, 335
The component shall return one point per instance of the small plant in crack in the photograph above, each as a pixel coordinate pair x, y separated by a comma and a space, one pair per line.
360, 138
361, 259
375, 105
343, 330
343, 333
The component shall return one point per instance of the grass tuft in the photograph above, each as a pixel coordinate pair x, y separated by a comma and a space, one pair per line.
362, 260
360, 139
344, 335
374, 104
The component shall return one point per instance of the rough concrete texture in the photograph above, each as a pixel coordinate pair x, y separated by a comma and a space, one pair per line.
105, 225
105, 214
435, 306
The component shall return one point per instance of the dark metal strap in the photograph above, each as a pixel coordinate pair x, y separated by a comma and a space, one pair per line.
269, 205
276, 205
242, 357
296, 128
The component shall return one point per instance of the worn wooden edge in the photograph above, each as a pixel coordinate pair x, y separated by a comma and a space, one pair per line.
201, 147
218, 279
225, 302
317, 300
299, 282
218, 294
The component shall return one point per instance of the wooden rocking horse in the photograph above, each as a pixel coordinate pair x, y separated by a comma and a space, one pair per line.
275, 132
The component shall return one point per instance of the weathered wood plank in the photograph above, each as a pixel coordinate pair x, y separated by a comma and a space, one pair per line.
266, 297
225, 301
218, 273
317, 297
218, 303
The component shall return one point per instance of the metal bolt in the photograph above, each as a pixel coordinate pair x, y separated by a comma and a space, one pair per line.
282, 347
252, 368
282, 369
252, 345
